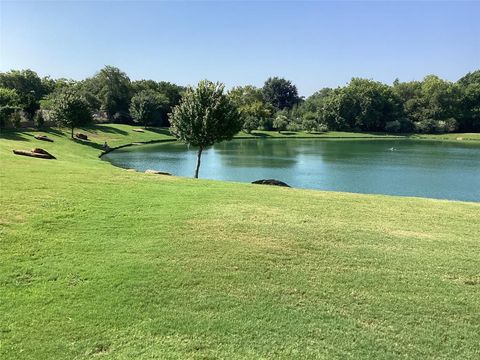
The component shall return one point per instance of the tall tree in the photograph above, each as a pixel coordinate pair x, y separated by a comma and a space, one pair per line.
149, 107
469, 120
172, 92
69, 108
29, 87
9, 103
204, 117
113, 89
363, 105
280, 93
250, 104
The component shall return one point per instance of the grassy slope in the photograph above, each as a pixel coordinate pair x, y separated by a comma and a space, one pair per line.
95, 260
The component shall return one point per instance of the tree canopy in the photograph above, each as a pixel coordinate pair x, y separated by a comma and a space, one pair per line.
9, 103
429, 105
280, 93
112, 87
149, 107
249, 102
29, 87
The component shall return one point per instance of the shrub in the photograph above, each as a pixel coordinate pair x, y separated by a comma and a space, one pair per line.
250, 123
267, 124
431, 126
293, 127
406, 125
122, 117
322, 128
450, 125
16, 119
425, 126
280, 123
38, 119
309, 125
393, 126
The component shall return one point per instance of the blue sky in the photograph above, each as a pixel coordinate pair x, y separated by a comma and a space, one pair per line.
314, 44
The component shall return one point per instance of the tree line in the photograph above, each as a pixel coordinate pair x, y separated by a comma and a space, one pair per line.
432, 105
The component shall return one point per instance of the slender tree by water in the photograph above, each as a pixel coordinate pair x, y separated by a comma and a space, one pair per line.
204, 117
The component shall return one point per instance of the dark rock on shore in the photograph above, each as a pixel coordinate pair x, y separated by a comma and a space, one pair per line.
270, 182
157, 172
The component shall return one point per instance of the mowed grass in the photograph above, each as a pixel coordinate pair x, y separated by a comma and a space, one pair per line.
98, 262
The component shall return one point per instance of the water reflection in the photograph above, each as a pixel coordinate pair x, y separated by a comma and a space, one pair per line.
397, 167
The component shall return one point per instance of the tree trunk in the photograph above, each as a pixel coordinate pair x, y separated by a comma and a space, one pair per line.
199, 155
72, 131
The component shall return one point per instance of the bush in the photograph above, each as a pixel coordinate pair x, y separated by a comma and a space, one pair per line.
38, 119
122, 117
424, 126
16, 119
450, 125
251, 123
293, 127
393, 126
6, 113
267, 124
309, 125
406, 125
431, 126
322, 128
280, 123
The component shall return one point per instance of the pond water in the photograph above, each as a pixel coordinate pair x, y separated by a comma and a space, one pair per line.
396, 167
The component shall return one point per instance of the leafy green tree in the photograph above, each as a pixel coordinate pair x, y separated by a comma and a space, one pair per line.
469, 103
9, 103
69, 108
250, 123
149, 107
310, 122
29, 87
112, 88
204, 117
440, 98
280, 123
280, 93
249, 101
430, 105
362, 105
171, 92
245, 95
314, 103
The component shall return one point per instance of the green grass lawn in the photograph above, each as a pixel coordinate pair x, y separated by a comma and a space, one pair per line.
99, 262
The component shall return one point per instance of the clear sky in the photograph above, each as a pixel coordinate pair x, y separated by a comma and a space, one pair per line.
314, 44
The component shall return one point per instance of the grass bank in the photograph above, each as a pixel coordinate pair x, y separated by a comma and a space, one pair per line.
98, 261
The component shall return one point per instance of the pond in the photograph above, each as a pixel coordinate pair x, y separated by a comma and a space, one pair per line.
395, 167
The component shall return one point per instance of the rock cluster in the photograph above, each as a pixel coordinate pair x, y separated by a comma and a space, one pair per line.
36, 153
43, 138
